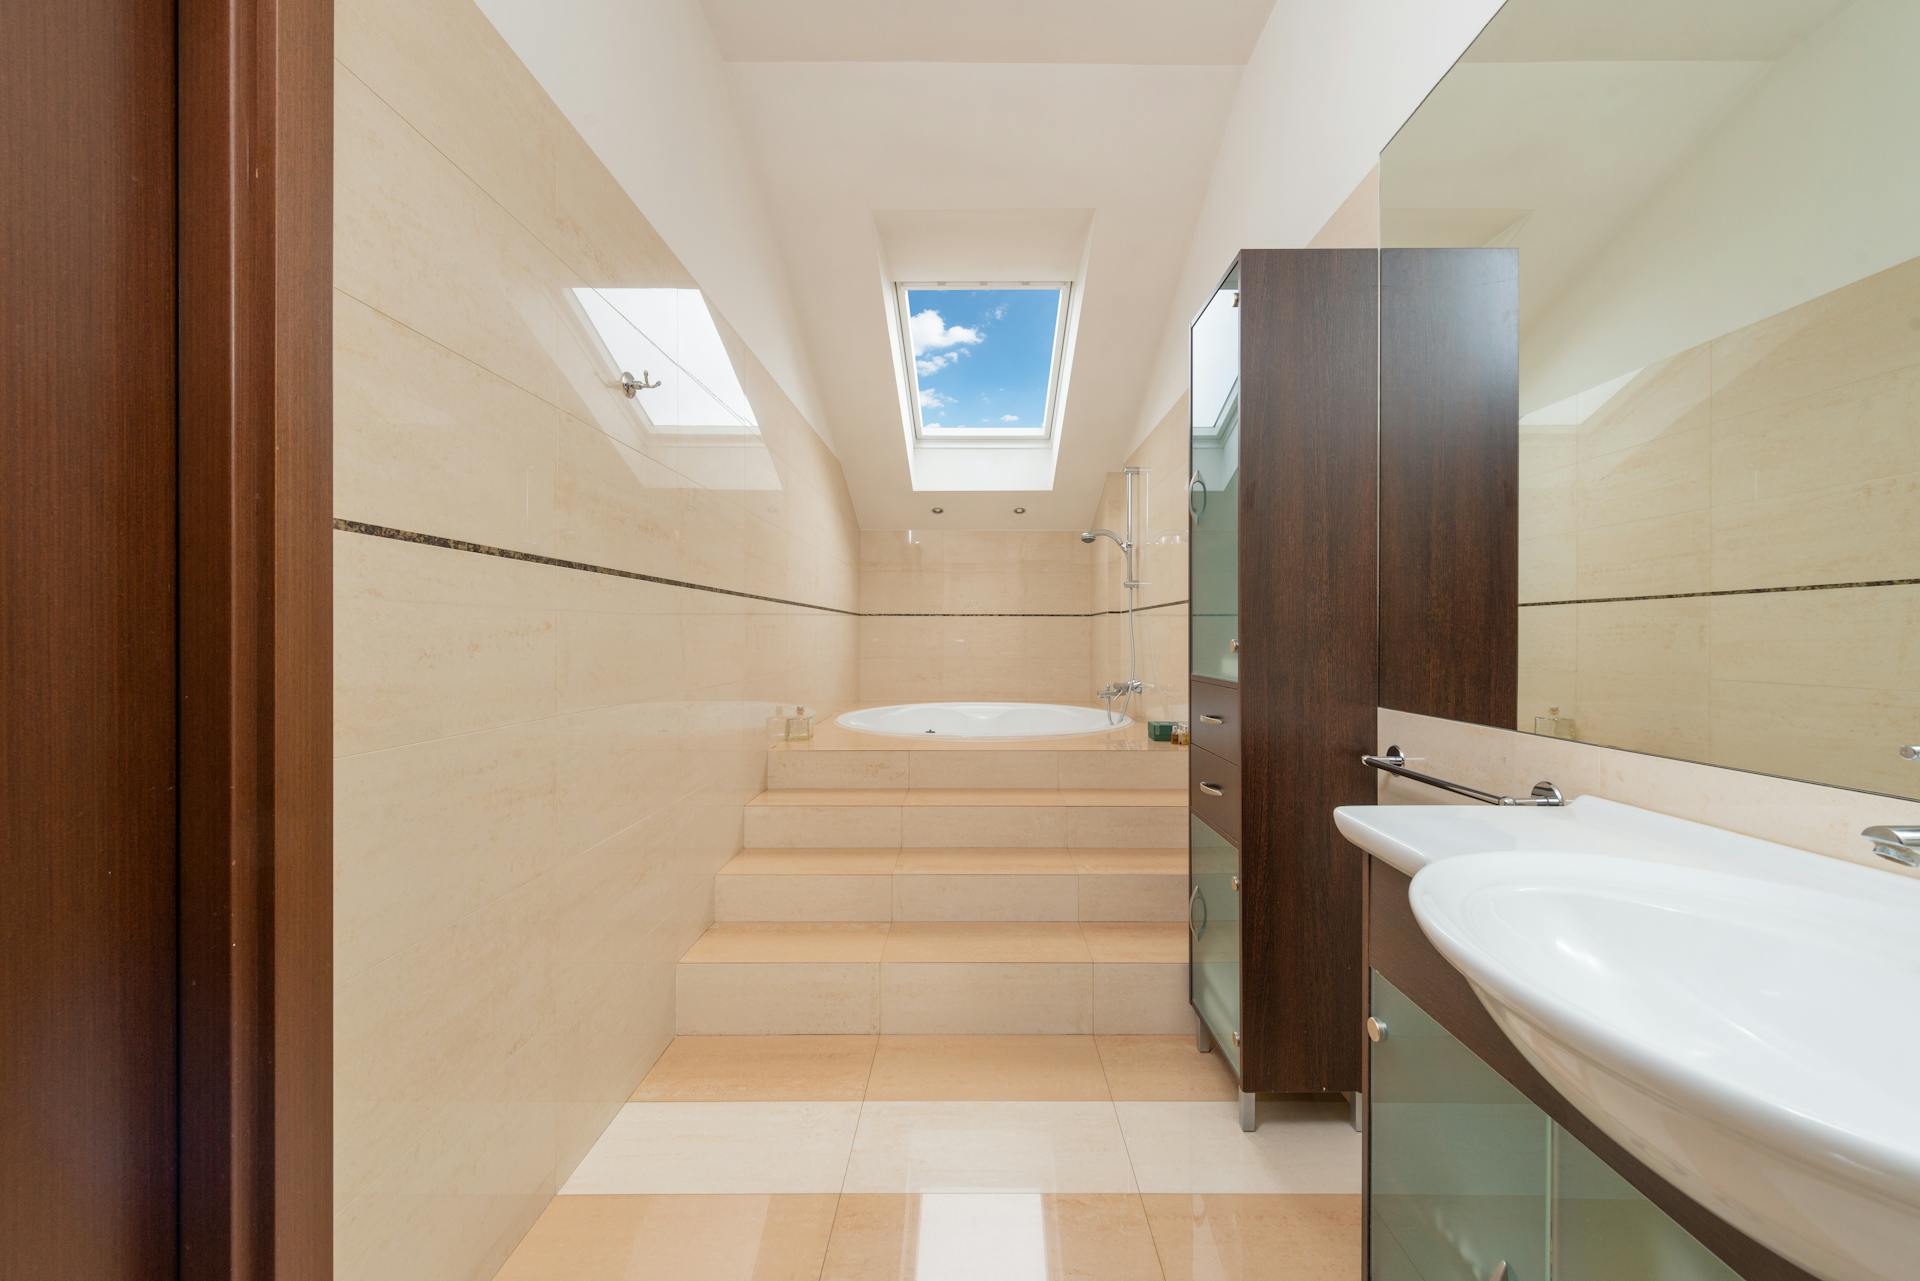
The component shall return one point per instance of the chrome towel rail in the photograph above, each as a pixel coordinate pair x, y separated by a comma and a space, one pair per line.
1395, 762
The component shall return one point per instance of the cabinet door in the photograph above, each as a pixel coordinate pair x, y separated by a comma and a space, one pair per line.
1459, 1160
1213, 499
1604, 1229
1213, 922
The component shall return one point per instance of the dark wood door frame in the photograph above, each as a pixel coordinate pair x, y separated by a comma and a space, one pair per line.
255, 210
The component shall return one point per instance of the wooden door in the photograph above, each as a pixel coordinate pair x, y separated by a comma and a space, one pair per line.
88, 860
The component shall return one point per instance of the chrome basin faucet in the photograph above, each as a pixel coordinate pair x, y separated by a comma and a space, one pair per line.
1896, 842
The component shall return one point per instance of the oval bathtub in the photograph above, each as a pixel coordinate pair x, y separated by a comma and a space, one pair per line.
981, 720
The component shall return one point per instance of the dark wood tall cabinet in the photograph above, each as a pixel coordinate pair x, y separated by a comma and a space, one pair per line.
1284, 682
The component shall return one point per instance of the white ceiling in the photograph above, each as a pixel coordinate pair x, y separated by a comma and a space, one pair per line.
863, 160
1140, 32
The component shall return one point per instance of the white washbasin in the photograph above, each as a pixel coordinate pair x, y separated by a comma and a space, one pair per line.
1754, 1039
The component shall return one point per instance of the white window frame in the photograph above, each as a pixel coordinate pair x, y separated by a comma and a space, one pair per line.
983, 437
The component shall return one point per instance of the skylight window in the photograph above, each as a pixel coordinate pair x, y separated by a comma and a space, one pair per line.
668, 340
984, 360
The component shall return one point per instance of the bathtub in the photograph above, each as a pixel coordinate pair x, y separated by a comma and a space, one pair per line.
981, 720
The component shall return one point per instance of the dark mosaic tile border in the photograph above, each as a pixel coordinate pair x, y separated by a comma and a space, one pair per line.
586, 567
1730, 591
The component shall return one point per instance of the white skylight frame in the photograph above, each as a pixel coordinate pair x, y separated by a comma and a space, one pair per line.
983, 437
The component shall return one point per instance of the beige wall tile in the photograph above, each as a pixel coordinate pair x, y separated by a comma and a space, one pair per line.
1657, 555
1822, 733
1127, 826
1548, 662
1867, 328
1862, 638
804, 769
986, 898
958, 826
1133, 898
1854, 533
1849, 435
1664, 477
1669, 398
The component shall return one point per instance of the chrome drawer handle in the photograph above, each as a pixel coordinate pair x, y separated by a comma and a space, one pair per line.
1196, 930
1212, 789
1212, 720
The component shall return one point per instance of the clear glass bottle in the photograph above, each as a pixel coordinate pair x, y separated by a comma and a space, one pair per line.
800, 726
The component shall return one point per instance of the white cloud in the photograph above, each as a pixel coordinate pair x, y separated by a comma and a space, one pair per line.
934, 364
930, 399
1009, 418
930, 333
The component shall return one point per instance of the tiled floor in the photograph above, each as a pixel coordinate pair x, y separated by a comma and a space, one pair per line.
953, 1158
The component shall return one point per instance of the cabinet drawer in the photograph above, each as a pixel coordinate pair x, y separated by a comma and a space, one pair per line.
1214, 792
1216, 719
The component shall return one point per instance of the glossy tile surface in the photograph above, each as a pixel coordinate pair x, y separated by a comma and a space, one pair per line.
720, 1148
1199, 1147
988, 1147
689, 1238
996, 1236
765, 1068
1164, 1069
987, 1068
1223, 1237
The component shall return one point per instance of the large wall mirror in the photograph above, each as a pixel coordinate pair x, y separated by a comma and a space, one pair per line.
1715, 207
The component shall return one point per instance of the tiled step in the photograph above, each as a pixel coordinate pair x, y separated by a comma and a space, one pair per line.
1041, 884
951, 818
995, 766
922, 978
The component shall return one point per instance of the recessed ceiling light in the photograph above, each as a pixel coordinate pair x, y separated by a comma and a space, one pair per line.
1019, 511
939, 511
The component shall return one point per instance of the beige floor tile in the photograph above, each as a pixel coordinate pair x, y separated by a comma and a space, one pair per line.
1220, 1237
1016, 1236
760, 1068
753, 1148
997, 796
750, 944
806, 862
987, 1067
1126, 862
832, 796
984, 862
1070, 1146
1124, 796
1164, 1068
711, 1238
1134, 942
937, 942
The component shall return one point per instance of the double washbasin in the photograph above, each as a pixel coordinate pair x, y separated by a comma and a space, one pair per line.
1741, 1016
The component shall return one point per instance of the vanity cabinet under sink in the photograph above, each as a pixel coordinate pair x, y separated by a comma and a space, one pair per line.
1470, 1181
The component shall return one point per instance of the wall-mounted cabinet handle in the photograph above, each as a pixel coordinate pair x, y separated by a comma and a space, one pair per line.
1236, 1038
1233, 646
1212, 789
1207, 718
1199, 928
1236, 883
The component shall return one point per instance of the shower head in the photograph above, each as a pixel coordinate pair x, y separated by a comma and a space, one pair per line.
1091, 534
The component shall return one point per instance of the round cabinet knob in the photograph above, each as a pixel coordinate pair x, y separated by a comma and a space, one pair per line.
1233, 646
1376, 1030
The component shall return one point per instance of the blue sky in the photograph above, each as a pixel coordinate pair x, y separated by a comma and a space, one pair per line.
982, 356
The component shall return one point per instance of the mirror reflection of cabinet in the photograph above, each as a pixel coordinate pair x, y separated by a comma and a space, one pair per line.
1213, 498
1283, 619
1716, 411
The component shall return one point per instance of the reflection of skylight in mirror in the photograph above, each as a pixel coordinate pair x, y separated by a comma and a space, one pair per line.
1216, 362
668, 336
985, 359
968, 1235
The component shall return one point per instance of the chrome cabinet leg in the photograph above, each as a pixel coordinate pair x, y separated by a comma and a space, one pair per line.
1249, 1121
1354, 1099
1202, 1037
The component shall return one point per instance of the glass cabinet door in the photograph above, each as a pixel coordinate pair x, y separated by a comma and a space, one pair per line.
1213, 924
1213, 497
1604, 1228
1460, 1160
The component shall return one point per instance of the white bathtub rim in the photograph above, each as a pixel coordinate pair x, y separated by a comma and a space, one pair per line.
855, 721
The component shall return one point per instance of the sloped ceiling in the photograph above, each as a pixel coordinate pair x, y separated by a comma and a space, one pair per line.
899, 118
